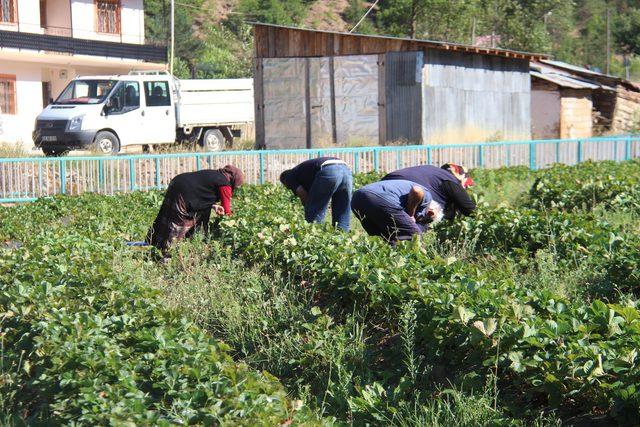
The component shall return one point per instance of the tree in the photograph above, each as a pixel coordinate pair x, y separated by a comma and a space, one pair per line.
428, 19
627, 32
283, 12
188, 47
354, 12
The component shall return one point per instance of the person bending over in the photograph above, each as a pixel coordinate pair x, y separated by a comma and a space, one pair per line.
446, 184
319, 181
395, 209
188, 202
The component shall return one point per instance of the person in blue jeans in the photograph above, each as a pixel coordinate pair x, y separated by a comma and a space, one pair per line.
319, 181
395, 210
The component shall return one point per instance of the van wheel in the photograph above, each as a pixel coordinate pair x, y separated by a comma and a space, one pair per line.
107, 143
212, 140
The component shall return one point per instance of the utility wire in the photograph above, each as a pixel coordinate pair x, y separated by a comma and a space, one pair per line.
364, 16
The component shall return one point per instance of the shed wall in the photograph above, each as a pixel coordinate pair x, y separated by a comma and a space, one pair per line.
284, 110
298, 109
545, 110
627, 110
471, 98
403, 97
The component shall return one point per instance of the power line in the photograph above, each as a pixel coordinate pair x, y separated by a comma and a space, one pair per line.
364, 16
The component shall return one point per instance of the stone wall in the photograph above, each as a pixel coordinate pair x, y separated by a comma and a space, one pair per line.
575, 113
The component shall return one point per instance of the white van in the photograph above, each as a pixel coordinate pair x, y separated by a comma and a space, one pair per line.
107, 113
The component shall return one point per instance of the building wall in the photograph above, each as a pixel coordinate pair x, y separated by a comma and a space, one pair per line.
83, 18
545, 110
79, 20
473, 98
17, 128
29, 16
575, 113
627, 111
59, 17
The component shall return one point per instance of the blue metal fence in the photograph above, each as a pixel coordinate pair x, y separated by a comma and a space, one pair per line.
26, 179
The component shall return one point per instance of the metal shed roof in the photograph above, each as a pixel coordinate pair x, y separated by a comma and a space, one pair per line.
574, 69
566, 75
274, 41
564, 81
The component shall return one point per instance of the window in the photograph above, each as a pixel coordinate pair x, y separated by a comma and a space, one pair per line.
43, 13
128, 97
86, 92
157, 94
107, 16
8, 11
7, 94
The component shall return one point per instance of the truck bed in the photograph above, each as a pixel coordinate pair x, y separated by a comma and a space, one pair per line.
215, 102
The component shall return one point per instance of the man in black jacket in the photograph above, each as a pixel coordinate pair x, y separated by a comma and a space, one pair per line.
446, 184
319, 181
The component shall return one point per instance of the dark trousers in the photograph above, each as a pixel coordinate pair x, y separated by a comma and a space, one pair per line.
333, 183
380, 218
174, 222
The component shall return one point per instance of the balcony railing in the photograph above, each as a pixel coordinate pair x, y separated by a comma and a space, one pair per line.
70, 45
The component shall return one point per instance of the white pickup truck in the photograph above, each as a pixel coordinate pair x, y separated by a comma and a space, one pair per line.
107, 113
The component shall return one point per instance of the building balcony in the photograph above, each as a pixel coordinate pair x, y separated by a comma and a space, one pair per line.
77, 46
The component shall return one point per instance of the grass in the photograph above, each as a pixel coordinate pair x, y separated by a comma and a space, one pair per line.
13, 150
332, 357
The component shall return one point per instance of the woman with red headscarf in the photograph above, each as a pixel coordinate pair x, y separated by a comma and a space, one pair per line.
188, 202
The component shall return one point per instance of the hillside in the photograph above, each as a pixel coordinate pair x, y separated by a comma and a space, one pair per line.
213, 37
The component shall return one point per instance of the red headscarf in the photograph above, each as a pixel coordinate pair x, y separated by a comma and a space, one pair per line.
235, 175
459, 172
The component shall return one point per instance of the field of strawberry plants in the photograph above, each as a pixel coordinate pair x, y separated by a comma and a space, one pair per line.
525, 313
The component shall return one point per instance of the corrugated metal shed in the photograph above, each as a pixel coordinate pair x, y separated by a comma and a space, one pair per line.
318, 88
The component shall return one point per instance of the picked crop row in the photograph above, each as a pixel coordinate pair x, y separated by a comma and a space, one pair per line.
574, 238
83, 345
578, 355
587, 185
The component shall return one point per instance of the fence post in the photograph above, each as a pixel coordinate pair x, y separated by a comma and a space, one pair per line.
132, 175
63, 177
579, 153
507, 154
157, 162
39, 177
557, 152
627, 149
101, 173
532, 156
398, 163
261, 168
480, 156
615, 150
356, 162
428, 154
375, 160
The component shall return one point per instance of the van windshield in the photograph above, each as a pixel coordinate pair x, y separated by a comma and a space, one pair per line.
86, 92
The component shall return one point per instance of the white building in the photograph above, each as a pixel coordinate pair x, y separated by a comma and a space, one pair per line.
46, 43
